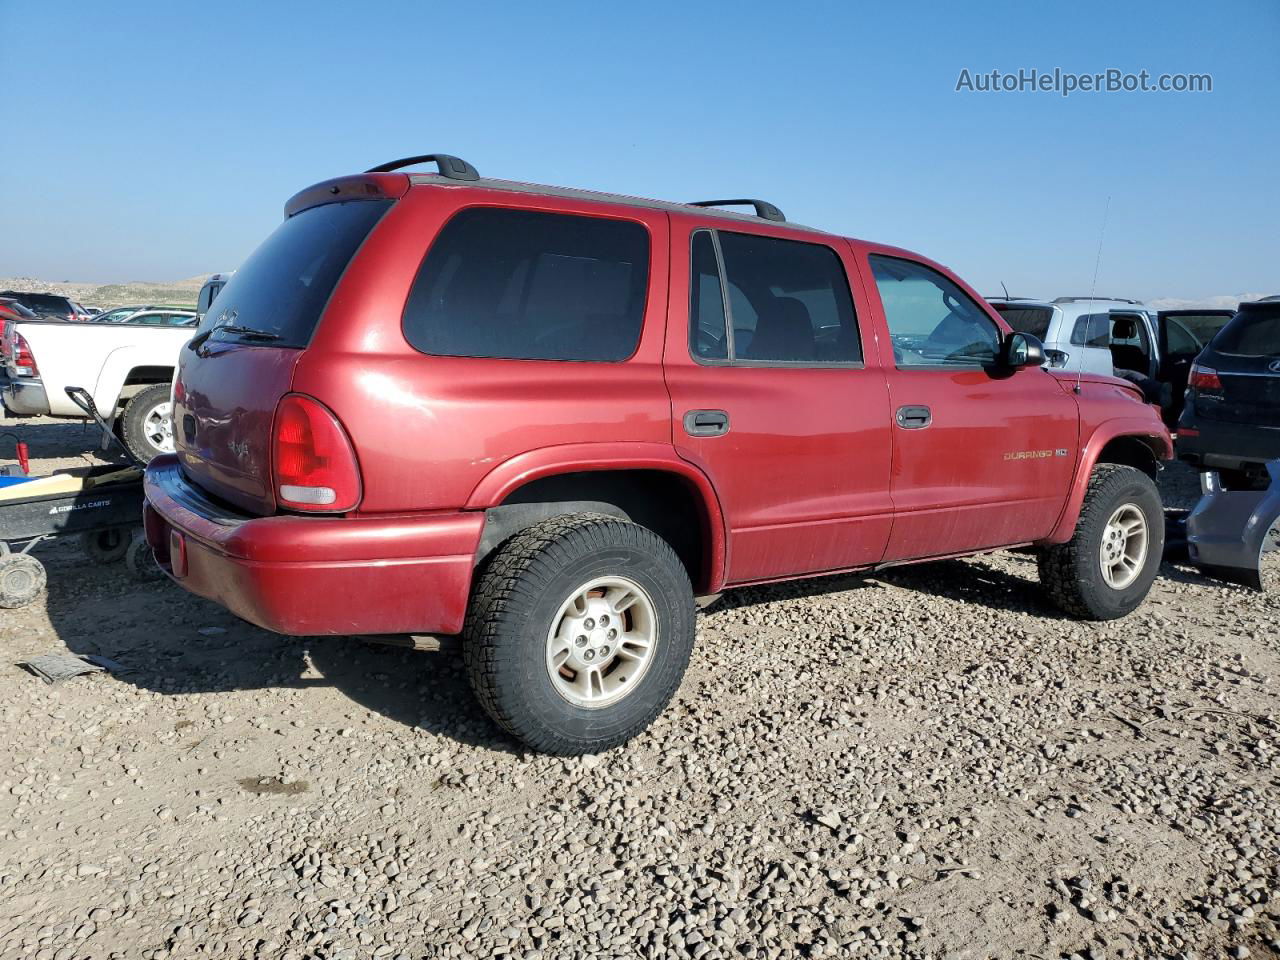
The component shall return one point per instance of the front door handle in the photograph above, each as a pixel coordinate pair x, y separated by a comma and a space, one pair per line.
914, 418
706, 423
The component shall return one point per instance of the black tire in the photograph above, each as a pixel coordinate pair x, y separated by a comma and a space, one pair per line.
22, 579
520, 592
1072, 572
137, 435
105, 546
140, 560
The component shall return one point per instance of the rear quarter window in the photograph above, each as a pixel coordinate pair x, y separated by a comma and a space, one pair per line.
1032, 320
527, 285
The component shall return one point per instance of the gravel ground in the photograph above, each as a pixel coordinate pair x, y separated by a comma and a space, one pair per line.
926, 763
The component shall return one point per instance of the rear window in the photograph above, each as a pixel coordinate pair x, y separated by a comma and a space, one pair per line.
524, 285
284, 285
1032, 320
1253, 332
43, 304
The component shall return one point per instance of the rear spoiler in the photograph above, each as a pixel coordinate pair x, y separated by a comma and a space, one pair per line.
367, 186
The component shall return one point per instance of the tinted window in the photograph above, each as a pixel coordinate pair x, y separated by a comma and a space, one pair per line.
532, 286
43, 304
789, 301
1203, 326
1032, 320
1092, 330
1181, 341
707, 338
931, 320
1254, 331
284, 285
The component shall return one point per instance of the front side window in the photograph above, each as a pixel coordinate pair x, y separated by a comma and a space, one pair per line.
932, 322
526, 285
788, 301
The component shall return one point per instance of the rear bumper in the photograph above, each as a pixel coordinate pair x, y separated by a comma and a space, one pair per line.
1225, 445
315, 575
26, 398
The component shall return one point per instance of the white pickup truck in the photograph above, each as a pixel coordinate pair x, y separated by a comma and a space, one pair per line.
127, 367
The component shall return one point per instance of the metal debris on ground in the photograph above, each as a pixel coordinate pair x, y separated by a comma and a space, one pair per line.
53, 668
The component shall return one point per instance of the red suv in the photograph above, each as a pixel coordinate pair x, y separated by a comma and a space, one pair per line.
548, 419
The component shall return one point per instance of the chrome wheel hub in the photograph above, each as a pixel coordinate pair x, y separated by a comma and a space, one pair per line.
157, 426
601, 642
1124, 546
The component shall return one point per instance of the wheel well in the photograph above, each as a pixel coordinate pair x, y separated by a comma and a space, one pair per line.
145, 376
1130, 452
664, 502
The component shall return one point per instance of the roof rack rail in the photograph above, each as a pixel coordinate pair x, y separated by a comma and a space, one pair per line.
1087, 299
454, 168
764, 209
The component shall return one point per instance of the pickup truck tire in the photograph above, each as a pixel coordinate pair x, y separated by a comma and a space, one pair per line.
146, 430
1106, 569
579, 632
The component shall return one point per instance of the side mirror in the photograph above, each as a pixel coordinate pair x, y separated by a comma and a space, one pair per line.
1022, 350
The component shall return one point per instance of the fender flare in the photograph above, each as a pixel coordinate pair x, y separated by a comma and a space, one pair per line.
514, 473
1142, 429
115, 370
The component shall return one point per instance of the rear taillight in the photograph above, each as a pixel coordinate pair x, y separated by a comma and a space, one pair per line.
1205, 379
23, 358
312, 458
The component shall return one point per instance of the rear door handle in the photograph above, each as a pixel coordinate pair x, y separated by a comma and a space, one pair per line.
706, 423
914, 418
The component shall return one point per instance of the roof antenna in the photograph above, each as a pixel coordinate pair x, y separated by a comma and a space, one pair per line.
1005, 289
1096, 263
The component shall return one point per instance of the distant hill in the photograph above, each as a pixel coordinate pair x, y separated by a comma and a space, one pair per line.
174, 293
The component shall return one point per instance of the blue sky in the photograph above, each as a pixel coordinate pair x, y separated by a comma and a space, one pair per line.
155, 141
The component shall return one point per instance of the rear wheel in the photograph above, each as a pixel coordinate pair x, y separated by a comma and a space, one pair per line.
1106, 569
579, 633
148, 423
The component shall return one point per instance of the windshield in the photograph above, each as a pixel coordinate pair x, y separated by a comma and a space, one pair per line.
1032, 320
284, 285
1253, 332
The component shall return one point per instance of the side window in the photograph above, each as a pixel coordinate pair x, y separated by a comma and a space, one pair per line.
1182, 342
1092, 330
932, 322
789, 302
527, 285
707, 337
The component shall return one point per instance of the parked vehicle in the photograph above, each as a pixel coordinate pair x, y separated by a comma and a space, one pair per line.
209, 292
1231, 421
1108, 335
126, 367
48, 306
546, 419
12, 310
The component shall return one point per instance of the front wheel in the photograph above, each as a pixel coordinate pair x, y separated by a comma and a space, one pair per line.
579, 633
148, 423
1106, 569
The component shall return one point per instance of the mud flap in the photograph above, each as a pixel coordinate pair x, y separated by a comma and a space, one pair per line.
1228, 531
